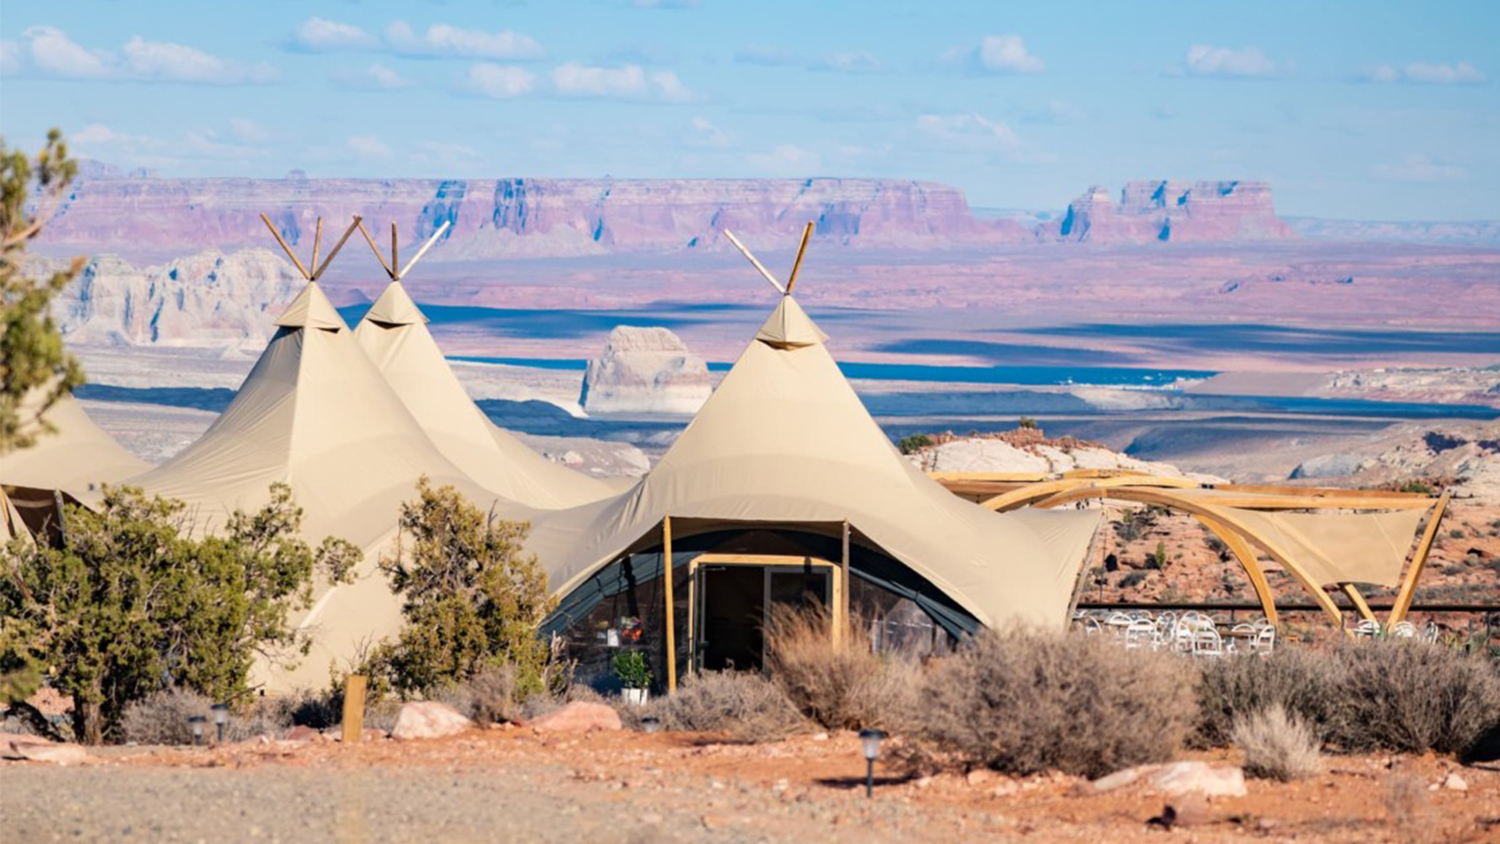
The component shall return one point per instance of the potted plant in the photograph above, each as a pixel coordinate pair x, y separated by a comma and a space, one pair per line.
630, 667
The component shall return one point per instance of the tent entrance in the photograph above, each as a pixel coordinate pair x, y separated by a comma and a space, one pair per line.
731, 597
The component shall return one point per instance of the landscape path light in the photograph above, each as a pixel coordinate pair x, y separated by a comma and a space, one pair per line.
870, 742
651, 724
196, 722
221, 719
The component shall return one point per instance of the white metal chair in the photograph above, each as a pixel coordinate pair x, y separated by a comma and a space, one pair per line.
1264, 642
1404, 630
1207, 643
1140, 635
1091, 626
1368, 628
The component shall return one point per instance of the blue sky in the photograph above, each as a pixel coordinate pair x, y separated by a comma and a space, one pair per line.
1361, 110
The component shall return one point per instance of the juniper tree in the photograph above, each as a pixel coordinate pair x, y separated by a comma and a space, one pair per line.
471, 600
32, 358
132, 602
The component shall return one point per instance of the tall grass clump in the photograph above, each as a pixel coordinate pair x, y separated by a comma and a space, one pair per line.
1304, 683
1277, 746
841, 688
1023, 702
746, 706
1411, 696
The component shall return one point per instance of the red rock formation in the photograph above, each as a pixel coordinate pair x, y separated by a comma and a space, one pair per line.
1170, 211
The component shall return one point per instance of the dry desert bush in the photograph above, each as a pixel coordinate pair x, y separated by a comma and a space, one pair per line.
489, 696
1412, 696
1023, 702
1304, 683
746, 706
1277, 746
840, 688
162, 718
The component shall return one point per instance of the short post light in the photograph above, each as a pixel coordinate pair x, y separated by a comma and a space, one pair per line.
221, 719
651, 724
195, 723
870, 742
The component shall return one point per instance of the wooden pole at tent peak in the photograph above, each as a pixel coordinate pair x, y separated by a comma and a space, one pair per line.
287, 249
376, 249
423, 251
317, 244
318, 270
671, 625
395, 261
791, 281
755, 262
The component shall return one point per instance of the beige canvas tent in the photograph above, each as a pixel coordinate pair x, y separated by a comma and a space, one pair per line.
785, 451
76, 457
394, 334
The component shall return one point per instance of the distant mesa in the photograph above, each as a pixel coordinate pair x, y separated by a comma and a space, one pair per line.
645, 370
1168, 211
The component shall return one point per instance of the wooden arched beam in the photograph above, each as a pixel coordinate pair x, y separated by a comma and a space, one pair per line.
1418, 562
1171, 500
1032, 493
1243, 552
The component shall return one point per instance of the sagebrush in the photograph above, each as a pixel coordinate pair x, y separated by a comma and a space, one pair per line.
744, 705
1024, 702
1304, 683
841, 687
1277, 746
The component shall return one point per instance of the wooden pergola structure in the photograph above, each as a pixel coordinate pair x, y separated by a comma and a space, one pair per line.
1215, 506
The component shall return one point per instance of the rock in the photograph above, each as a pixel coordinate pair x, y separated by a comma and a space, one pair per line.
1118, 779
1158, 211
428, 719
979, 776
578, 717
1455, 782
301, 732
1188, 810
36, 749
1200, 777
645, 370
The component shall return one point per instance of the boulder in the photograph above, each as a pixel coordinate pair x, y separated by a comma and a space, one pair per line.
1201, 778
428, 719
578, 717
36, 749
645, 370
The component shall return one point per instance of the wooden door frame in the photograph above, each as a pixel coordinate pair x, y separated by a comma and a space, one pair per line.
768, 562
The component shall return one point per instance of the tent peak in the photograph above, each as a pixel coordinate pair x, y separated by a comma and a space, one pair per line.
311, 309
395, 307
789, 327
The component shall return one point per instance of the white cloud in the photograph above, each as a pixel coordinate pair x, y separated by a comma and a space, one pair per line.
1422, 73
97, 133
765, 55
852, 62
499, 81
786, 160
444, 151
627, 82
444, 40
323, 34
1229, 63
248, 131
706, 134
1420, 168
1006, 54
166, 61
368, 146
968, 133
54, 53
665, 4
10, 57
376, 77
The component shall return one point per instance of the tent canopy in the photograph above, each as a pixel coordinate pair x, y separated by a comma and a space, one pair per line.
74, 459
785, 440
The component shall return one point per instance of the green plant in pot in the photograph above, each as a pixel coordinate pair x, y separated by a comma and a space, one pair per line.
630, 667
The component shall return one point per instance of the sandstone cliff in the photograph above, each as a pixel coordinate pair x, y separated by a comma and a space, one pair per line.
645, 370
207, 299
133, 215
1170, 211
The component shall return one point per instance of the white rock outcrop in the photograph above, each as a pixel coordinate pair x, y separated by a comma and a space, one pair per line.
985, 454
645, 370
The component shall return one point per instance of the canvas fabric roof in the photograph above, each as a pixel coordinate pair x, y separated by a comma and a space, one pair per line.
784, 439
1342, 547
316, 414
78, 456
395, 336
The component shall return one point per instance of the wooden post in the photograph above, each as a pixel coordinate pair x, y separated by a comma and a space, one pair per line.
1418, 561
354, 707
1359, 602
844, 575
317, 245
395, 261
666, 567
1243, 552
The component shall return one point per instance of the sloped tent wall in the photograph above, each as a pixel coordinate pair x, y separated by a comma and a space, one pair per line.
785, 440
74, 459
394, 334
316, 414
